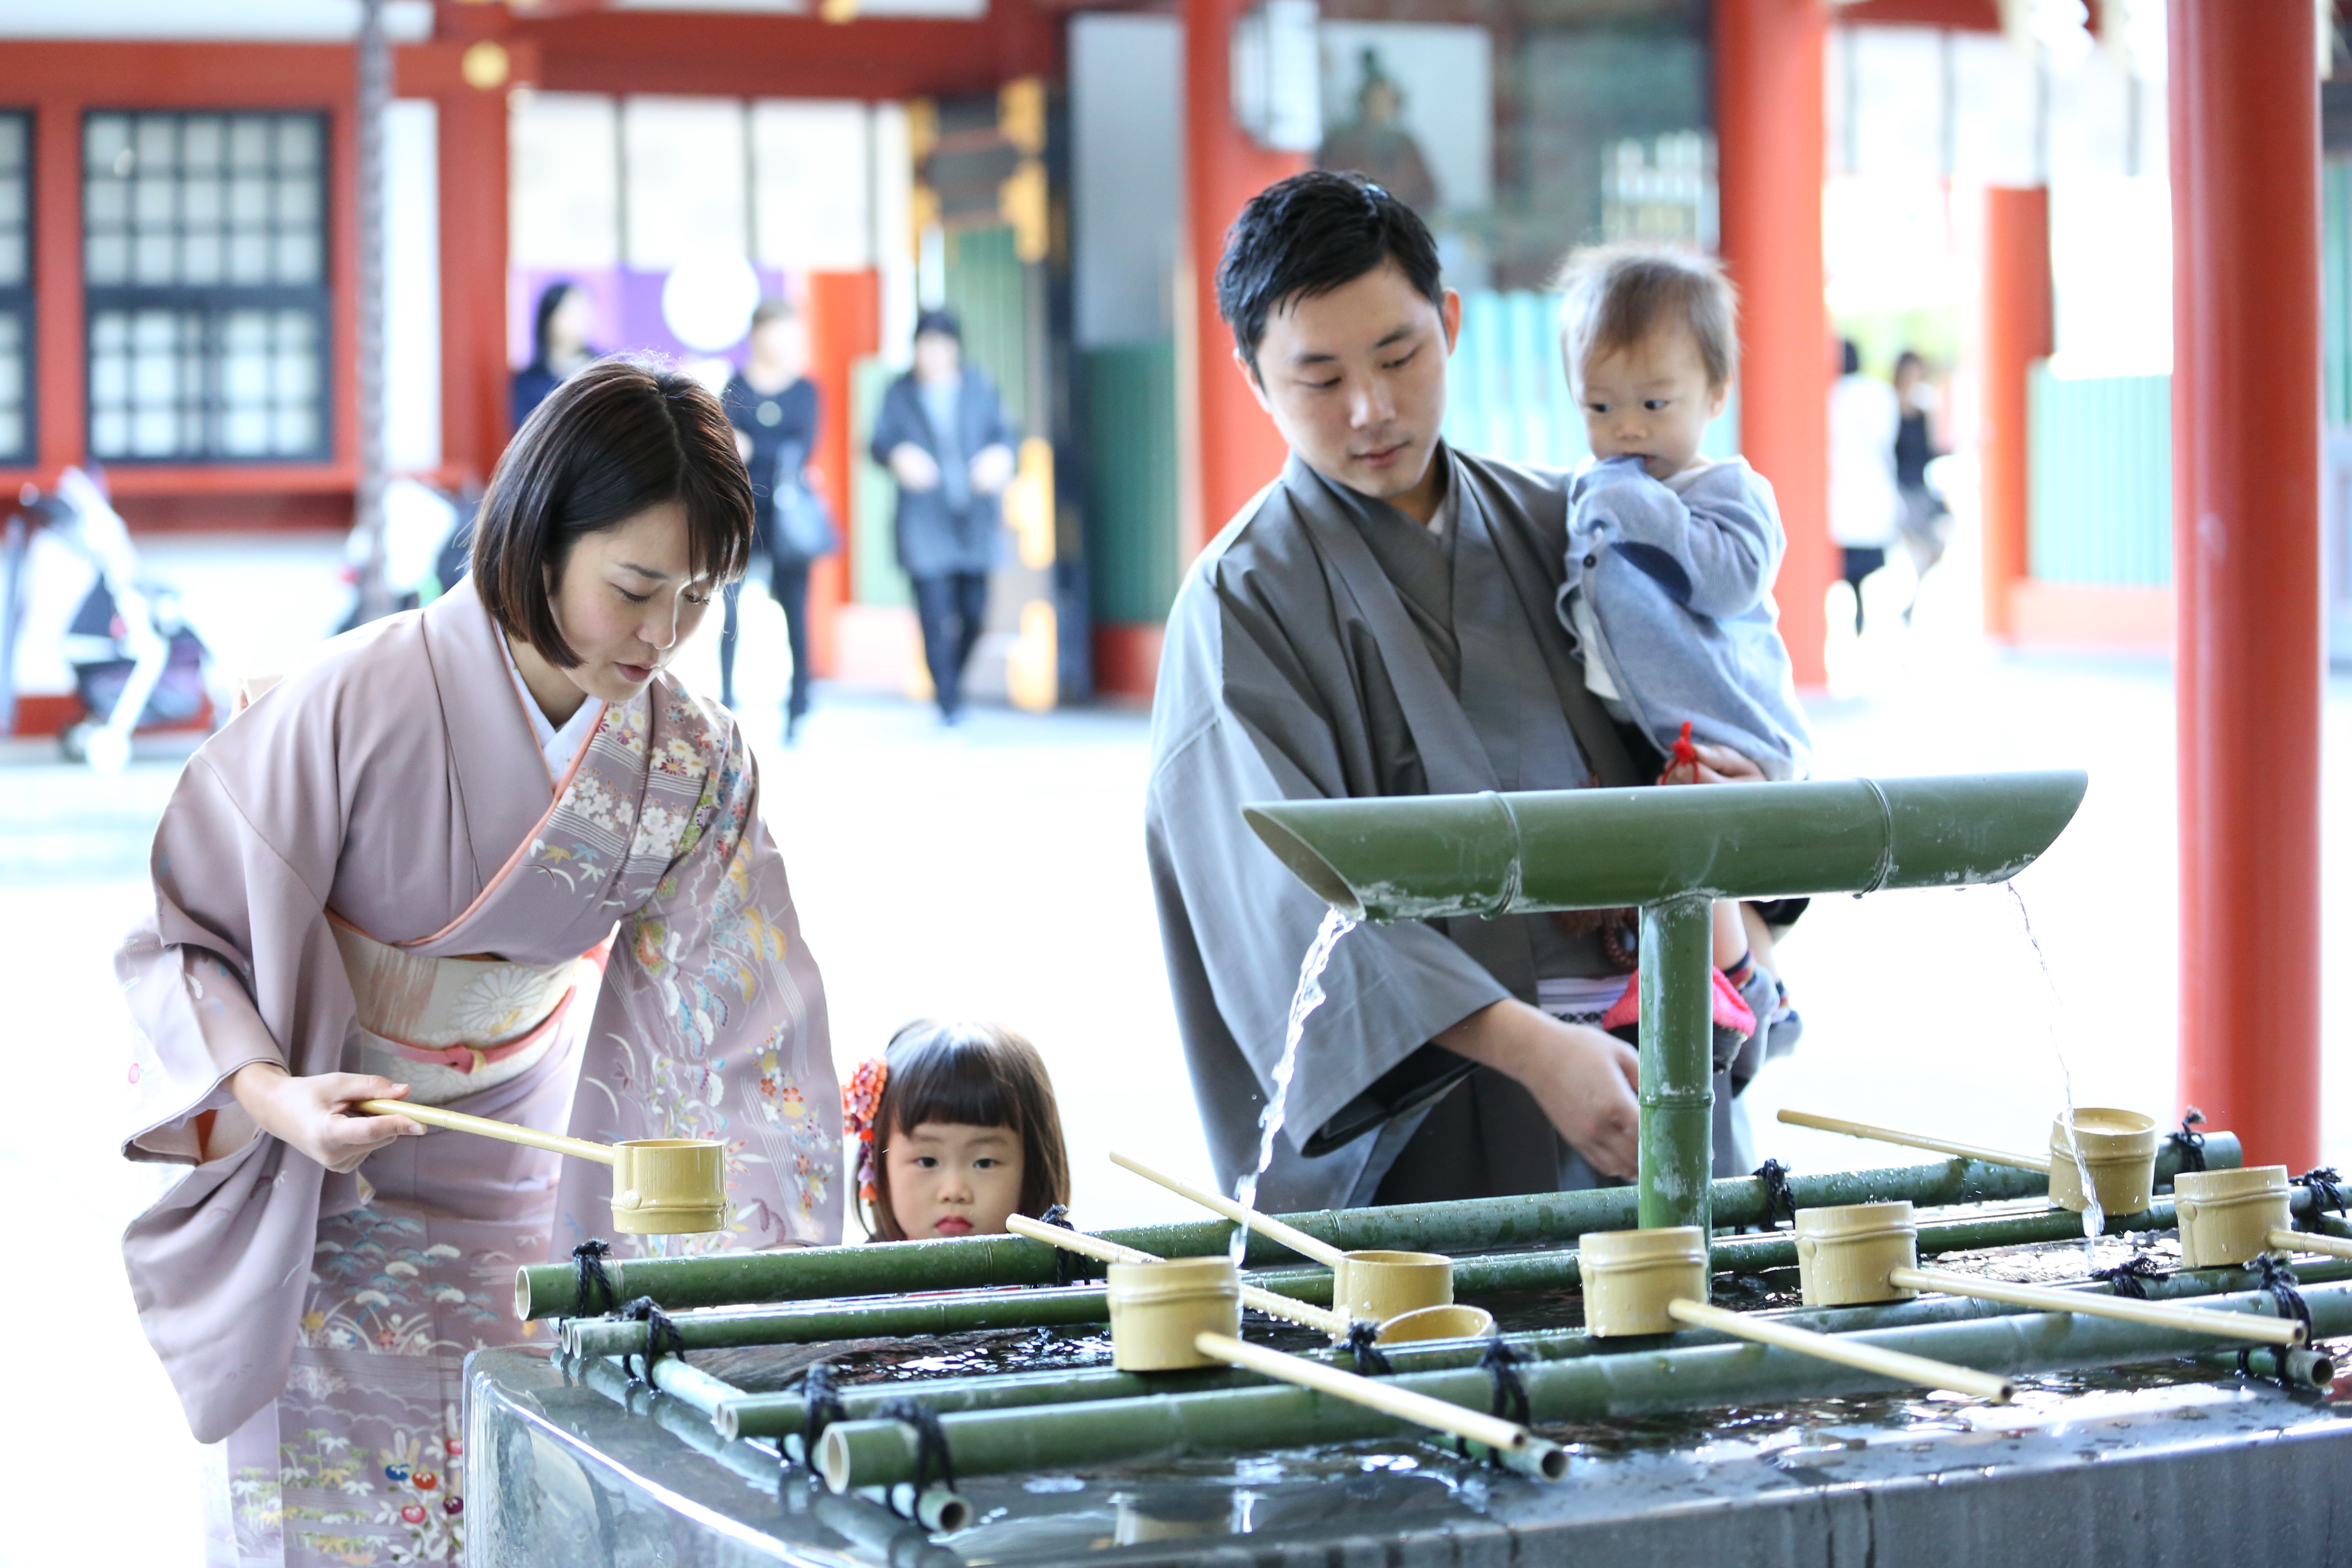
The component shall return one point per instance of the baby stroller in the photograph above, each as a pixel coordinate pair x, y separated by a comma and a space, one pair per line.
70, 596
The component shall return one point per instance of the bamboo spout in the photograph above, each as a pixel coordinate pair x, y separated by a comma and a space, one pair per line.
1422, 857
2155, 1315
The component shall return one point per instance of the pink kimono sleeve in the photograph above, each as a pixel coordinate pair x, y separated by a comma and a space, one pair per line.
711, 1024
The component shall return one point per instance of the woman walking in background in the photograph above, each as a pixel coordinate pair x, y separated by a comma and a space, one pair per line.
559, 347
944, 436
1925, 522
1864, 505
775, 409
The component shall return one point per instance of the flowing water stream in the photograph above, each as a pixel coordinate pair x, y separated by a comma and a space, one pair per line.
2095, 1219
1302, 1001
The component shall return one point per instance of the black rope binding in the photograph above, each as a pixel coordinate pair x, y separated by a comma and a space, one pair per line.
1779, 1201
588, 1275
1067, 1264
662, 1337
2131, 1278
2327, 1188
2189, 1141
932, 1457
1500, 1364
2280, 1281
1362, 1335
822, 1401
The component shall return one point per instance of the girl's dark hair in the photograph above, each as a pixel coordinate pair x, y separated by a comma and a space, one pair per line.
974, 1075
551, 300
1309, 234
622, 436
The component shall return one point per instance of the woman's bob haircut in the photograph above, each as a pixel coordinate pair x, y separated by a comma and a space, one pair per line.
622, 436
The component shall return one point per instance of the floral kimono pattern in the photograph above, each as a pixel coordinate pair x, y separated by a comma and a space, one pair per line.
396, 784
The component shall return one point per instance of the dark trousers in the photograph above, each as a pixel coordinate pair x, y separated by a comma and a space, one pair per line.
952, 607
788, 586
1860, 561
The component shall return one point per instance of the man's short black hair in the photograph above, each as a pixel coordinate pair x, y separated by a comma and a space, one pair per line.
1308, 235
943, 322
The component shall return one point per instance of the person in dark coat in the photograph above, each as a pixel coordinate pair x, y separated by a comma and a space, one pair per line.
945, 437
559, 346
775, 409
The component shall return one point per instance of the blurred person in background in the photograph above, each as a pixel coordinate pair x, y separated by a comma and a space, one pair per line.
946, 439
390, 878
1864, 505
559, 347
1925, 523
775, 409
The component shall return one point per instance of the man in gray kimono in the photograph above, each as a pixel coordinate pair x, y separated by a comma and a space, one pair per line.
1380, 621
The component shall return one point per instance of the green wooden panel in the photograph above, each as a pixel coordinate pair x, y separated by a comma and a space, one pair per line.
874, 576
986, 291
1133, 555
2100, 502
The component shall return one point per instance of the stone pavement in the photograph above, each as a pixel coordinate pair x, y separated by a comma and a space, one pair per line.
998, 872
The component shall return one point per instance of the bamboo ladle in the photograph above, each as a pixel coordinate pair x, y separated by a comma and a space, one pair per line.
1513, 1444
1900, 1365
1918, 1140
1379, 1285
661, 1186
1442, 1322
2155, 1315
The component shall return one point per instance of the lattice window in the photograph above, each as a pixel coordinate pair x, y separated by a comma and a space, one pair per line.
16, 286
204, 269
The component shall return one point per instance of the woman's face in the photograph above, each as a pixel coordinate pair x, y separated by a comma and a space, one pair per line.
626, 600
948, 1179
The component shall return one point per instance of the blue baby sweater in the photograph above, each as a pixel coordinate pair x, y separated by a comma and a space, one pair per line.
1669, 596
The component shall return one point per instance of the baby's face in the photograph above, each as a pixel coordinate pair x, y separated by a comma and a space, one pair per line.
1649, 399
948, 1179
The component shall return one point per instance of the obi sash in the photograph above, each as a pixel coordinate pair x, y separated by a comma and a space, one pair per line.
450, 1028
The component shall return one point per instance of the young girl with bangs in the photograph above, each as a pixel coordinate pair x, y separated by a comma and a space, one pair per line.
956, 1130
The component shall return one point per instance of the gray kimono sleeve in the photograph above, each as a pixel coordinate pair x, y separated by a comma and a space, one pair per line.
1713, 547
1236, 729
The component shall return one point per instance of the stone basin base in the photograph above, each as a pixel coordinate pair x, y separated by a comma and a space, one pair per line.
2138, 1468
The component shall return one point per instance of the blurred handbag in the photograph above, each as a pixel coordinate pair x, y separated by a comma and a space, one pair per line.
804, 530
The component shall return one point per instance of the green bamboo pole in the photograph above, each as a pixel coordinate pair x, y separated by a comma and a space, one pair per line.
1505, 1274
975, 1262
1677, 1131
739, 1414
986, 1442
1426, 856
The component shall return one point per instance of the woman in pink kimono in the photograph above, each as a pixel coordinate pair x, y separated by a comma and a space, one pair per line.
396, 873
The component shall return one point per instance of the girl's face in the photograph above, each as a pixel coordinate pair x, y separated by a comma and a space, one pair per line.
951, 1179
1650, 399
626, 599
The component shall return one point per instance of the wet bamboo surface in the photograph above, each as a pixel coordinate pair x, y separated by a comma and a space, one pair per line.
878, 1452
1483, 1225
1074, 1306
739, 1414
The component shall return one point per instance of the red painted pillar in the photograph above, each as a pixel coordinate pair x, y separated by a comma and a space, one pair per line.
1239, 450
1769, 128
2246, 562
58, 324
2017, 333
844, 312
474, 372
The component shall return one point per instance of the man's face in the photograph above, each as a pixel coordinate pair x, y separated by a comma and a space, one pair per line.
1355, 380
938, 357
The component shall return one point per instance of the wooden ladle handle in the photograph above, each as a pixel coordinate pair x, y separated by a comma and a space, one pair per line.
505, 1132
1291, 1237
1918, 1140
1094, 1246
1900, 1365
